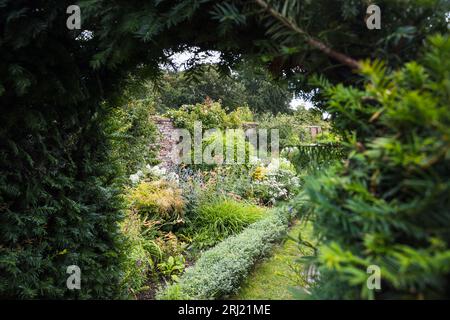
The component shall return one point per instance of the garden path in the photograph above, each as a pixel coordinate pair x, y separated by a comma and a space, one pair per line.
274, 277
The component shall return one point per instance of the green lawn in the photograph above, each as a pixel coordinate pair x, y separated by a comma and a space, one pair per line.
272, 277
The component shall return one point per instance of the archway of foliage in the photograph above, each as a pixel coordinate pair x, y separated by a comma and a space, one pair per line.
59, 200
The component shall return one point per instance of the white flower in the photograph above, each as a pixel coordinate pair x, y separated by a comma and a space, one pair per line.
134, 178
156, 171
161, 171
295, 180
172, 176
273, 165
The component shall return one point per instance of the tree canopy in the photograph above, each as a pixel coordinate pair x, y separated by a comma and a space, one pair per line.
282, 35
246, 86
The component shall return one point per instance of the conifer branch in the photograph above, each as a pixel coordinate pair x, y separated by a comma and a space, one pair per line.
338, 56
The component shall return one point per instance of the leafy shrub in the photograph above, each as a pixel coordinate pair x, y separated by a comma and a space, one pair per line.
210, 114
274, 182
132, 133
226, 143
388, 204
290, 131
239, 116
170, 244
313, 157
328, 137
220, 218
219, 270
172, 267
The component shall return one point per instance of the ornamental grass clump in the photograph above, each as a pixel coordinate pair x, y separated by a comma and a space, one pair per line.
158, 200
221, 218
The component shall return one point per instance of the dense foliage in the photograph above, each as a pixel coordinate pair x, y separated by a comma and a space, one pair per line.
294, 128
387, 205
211, 115
133, 136
239, 28
58, 194
313, 157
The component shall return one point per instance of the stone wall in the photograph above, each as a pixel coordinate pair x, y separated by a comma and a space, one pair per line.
165, 140
314, 130
249, 125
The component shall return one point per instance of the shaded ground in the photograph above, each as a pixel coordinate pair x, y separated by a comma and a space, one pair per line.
149, 294
153, 285
273, 277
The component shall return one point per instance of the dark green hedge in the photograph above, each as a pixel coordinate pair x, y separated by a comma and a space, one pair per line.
58, 198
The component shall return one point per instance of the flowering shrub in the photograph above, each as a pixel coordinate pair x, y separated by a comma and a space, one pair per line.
275, 181
148, 172
261, 183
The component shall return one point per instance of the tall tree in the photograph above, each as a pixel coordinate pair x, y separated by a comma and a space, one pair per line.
245, 86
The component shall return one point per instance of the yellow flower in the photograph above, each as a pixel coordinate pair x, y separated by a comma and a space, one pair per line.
259, 173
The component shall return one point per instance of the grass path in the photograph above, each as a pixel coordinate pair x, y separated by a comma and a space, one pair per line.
272, 277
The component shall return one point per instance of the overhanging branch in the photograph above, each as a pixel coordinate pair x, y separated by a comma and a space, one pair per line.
338, 56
